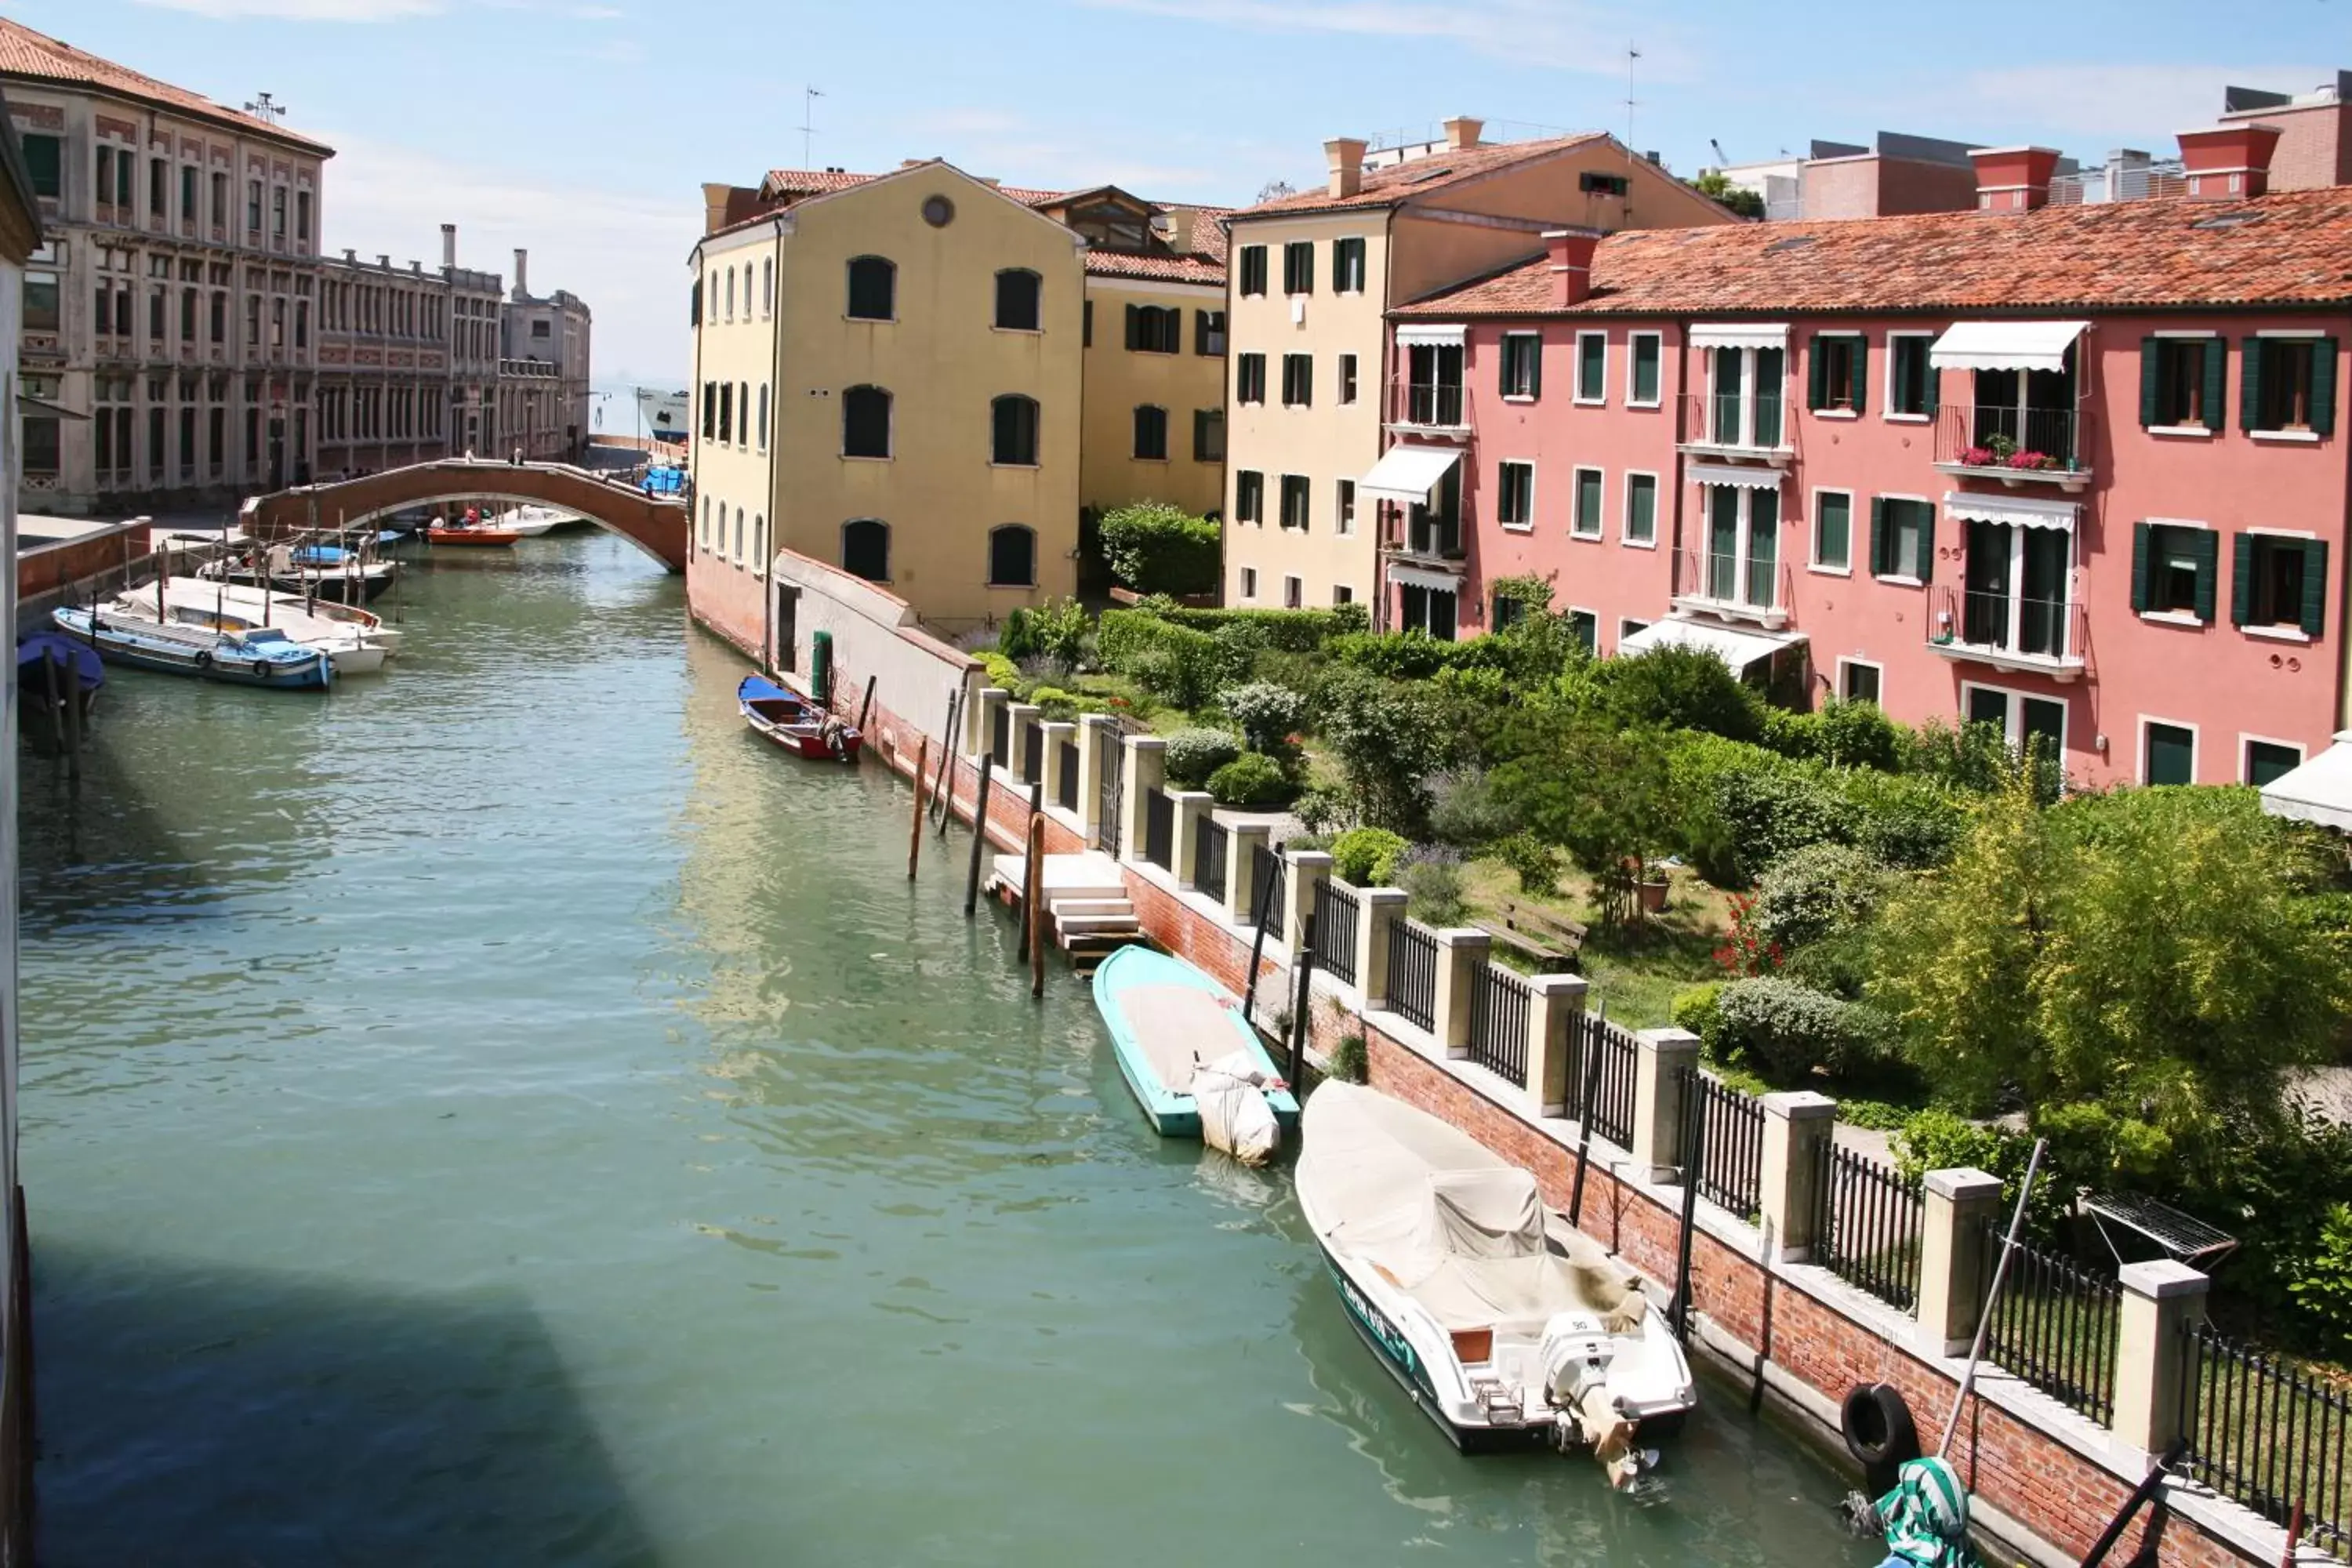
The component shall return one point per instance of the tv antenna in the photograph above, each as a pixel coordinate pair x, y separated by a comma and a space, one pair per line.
1631, 55
809, 96
1722, 158
265, 107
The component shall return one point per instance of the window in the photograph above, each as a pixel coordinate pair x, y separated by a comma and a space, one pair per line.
1342, 594
42, 444
1208, 333
738, 553
1743, 405
2174, 570
1833, 530
1522, 364
1641, 509
1346, 378
1017, 294
104, 194
220, 316
1155, 330
1591, 367
1599, 185
277, 211
2268, 761
2035, 722
1584, 626
1299, 266
1208, 435
2168, 752
1297, 381
302, 216
1150, 434
1858, 681
1253, 269
872, 288
2280, 582
768, 287
1249, 378
158, 188
220, 200
1249, 496
1515, 494
763, 416
1910, 378
1434, 527
1430, 610
1433, 384
1249, 583
864, 421
2180, 383
1345, 522
1294, 501
759, 544
1741, 554
730, 297
188, 210
252, 205
1641, 373
2288, 384
1903, 538
101, 317
2015, 590
40, 301
1839, 363
1585, 521
1347, 266
1504, 611
1294, 593
1086, 324
1012, 431
44, 159
726, 412
709, 409
1012, 556
866, 549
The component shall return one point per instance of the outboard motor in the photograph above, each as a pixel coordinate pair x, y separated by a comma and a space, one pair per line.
1576, 1349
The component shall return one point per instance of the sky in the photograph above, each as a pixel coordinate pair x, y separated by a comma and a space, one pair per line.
585, 129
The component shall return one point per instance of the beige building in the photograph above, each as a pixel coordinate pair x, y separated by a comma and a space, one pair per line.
542, 384
923, 376
408, 361
1311, 278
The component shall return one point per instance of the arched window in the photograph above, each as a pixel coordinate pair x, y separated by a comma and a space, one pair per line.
731, 293
768, 287
759, 545
1016, 299
706, 522
739, 536
872, 288
743, 388
1152, 433
866, 422
763, 416
1013, 420
693, 305
866, 549
1012, 556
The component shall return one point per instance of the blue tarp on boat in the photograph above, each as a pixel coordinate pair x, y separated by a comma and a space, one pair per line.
34, 648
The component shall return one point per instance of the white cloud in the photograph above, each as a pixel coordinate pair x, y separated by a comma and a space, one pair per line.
304, 10
1567, 35
2142, 104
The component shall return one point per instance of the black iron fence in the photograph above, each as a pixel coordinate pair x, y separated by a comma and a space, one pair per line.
1270, 915
1729, 1130
1158, 828
999, 736
2265, 1432
1499, 1022
1335, 929
2054, 1326
1109, 799
1868, 1229
1611, 1114
1209, 859
1066, 778
1032, 751
1412, 973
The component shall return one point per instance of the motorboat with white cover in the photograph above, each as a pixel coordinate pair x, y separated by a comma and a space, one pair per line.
531, 521
349, 644
1503, 1324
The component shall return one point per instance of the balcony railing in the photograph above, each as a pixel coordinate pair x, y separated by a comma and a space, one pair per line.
1437, 542
2009, 631
1435, 406
2013, 445
1717, 581
1737, 423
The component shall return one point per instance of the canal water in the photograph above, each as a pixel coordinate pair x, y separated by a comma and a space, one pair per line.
497, 1113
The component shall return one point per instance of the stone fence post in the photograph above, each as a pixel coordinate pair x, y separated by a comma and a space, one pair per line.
1553, 1002
981, 725
1055, 736
1146, 767
1378, 910
1798, 1125
1303, 870
1027, 768
1461, 956
1661, 1055
1243, 840
1952, 1247
2161, 1300
1097, 735
1192, 810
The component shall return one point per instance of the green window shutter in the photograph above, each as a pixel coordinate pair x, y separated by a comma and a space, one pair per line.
1879, 535
1134, 326
2151, 354
1816, 374
1861, 373
2140, 540
2206, 545
2242, 579
1927, 572
2315, 587
1534, 367
2323, 387
2217, 395
2250, 385
1935, 385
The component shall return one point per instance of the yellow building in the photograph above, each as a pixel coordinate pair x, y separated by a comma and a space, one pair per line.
1311, 279
893, 374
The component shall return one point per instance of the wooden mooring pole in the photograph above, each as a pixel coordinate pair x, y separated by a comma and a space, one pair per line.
915, 830
1257, 941
1033, 905
70, 697
946, 802
1297, 1068
866, 707
1029, 873
979, 836
1584, 1117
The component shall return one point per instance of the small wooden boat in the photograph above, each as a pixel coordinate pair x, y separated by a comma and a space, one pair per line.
475, 535
1168, 1024
262, 656
794, 724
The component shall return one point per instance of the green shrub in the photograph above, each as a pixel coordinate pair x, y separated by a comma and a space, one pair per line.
1287, 631
1365, 856
1251, 780
1815, 892
1697, 1008
1174, 664
1350, 1062
1054, 703
1415, 656
1785, 1030
1193, 754
1390, 737
1681, 688
1318, 811
1791, 734
1268, 714
1858, 735
1158, 548
1432, 879
1767, 812
1464, 810
1000, 671
1534, 861
1905, 820
2322, 1280
1872, 1115
1937, 1139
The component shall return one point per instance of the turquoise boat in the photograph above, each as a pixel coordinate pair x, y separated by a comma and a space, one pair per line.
1166, 1020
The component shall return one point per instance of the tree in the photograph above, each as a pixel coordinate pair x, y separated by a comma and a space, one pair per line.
1603, 793
1390, 737
1159, 548
1714, 184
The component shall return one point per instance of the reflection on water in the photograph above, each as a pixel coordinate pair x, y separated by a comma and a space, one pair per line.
500, 1112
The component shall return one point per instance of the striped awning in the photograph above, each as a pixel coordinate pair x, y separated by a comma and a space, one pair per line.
2021, 511
1742, 475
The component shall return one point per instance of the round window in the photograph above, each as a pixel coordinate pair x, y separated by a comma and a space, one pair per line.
938, 211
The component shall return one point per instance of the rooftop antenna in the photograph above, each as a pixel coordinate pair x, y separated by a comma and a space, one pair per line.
1722, 158
809, 96
1631, 55
265, 107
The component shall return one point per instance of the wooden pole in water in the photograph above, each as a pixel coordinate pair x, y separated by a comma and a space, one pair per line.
1693, 1153
979, 836
915, 833
1592, 1043
58, 671
866, 707
940, 800
1297, 1068
72, 700
1033, 909
1258, 942
1028, 869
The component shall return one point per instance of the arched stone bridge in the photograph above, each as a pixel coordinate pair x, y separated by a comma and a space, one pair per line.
654, 524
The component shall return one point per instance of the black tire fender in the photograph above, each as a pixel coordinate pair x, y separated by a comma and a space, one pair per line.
1878, 1432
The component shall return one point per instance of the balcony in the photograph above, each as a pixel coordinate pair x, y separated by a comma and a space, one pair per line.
1432, 545
2014, 446
2009, 631
1755, 427
1432, 408
1721, 582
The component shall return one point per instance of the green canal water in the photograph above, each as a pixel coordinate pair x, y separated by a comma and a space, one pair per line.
497, 1113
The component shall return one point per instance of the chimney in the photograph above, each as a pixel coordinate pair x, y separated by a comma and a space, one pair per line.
716, 196
523, 275
383, 259
1179, 230
2013, 179
449, 244
1463, 132
1346, 156
2225, 163
1571, 251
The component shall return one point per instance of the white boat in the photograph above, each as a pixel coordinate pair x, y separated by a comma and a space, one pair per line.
1503, 1324
351, 646
664, 414
531, 521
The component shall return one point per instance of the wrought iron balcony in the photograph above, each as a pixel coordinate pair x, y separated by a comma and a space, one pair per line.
1432, 406
1719, 582
2009, 631
1754, 425
2015, 446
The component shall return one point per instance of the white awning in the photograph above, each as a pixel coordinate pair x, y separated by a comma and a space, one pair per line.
1411, 335
1754, 478
1739, 335
1408, 473
1735, 647
2320, 791
1422, 577
2023, 511
2005, 345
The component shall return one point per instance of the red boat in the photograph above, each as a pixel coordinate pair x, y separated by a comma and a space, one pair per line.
477, 536
794, 724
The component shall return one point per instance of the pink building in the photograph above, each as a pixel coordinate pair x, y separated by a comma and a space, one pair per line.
2072, 470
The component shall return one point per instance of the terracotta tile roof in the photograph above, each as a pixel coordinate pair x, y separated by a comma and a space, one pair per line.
1400, 183
37, 56
824, 182
2290, 248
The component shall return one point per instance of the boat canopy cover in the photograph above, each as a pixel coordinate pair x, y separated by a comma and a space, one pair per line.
760, 689
35, 647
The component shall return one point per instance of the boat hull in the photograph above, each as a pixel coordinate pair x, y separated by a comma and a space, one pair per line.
223, 663
472, 538
796, 727
1173, 1113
